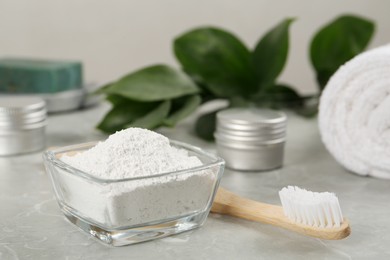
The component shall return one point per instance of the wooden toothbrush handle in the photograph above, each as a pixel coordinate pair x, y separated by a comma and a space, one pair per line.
228, 203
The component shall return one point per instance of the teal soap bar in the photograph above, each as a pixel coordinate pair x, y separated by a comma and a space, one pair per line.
39, 76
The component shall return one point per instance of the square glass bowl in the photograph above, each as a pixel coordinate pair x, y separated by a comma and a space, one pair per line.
133, 210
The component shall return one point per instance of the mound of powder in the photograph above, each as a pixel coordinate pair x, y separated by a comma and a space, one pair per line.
134, 152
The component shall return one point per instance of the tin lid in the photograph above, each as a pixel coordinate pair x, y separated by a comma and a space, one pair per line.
253, 137
254, 117
18, 105
21, 112
251, 125
250, 129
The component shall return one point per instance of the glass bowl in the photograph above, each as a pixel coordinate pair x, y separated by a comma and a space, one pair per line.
127, 211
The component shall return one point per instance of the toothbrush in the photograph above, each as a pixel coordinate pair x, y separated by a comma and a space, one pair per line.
305, 212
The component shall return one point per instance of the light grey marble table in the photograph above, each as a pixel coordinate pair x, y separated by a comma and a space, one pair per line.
32, 226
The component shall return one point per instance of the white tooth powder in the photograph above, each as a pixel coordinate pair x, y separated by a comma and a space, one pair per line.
129, 153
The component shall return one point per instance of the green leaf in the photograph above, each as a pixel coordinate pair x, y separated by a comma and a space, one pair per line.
279, 96
205, 126
155, 83
102, 89
154, 118
116, 100
308, 112
124, 114
217, 58
238, 101
204, 91
338, 42
181, 108
271, 52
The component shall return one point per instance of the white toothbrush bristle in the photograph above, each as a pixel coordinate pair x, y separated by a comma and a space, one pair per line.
319, 209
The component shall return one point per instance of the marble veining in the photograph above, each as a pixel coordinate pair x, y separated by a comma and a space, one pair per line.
32, 226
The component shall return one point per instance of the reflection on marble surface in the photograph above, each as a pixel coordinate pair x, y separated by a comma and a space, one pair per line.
32, 226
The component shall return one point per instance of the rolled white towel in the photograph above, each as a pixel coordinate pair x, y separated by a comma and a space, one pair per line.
354, 115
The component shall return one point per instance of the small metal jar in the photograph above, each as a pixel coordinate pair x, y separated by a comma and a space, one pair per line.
251, 139
22, 125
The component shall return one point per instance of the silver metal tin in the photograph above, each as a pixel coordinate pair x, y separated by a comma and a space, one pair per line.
249, 128
247, 141
67, 100
260, 158
252, 117
22, 125
251, 139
